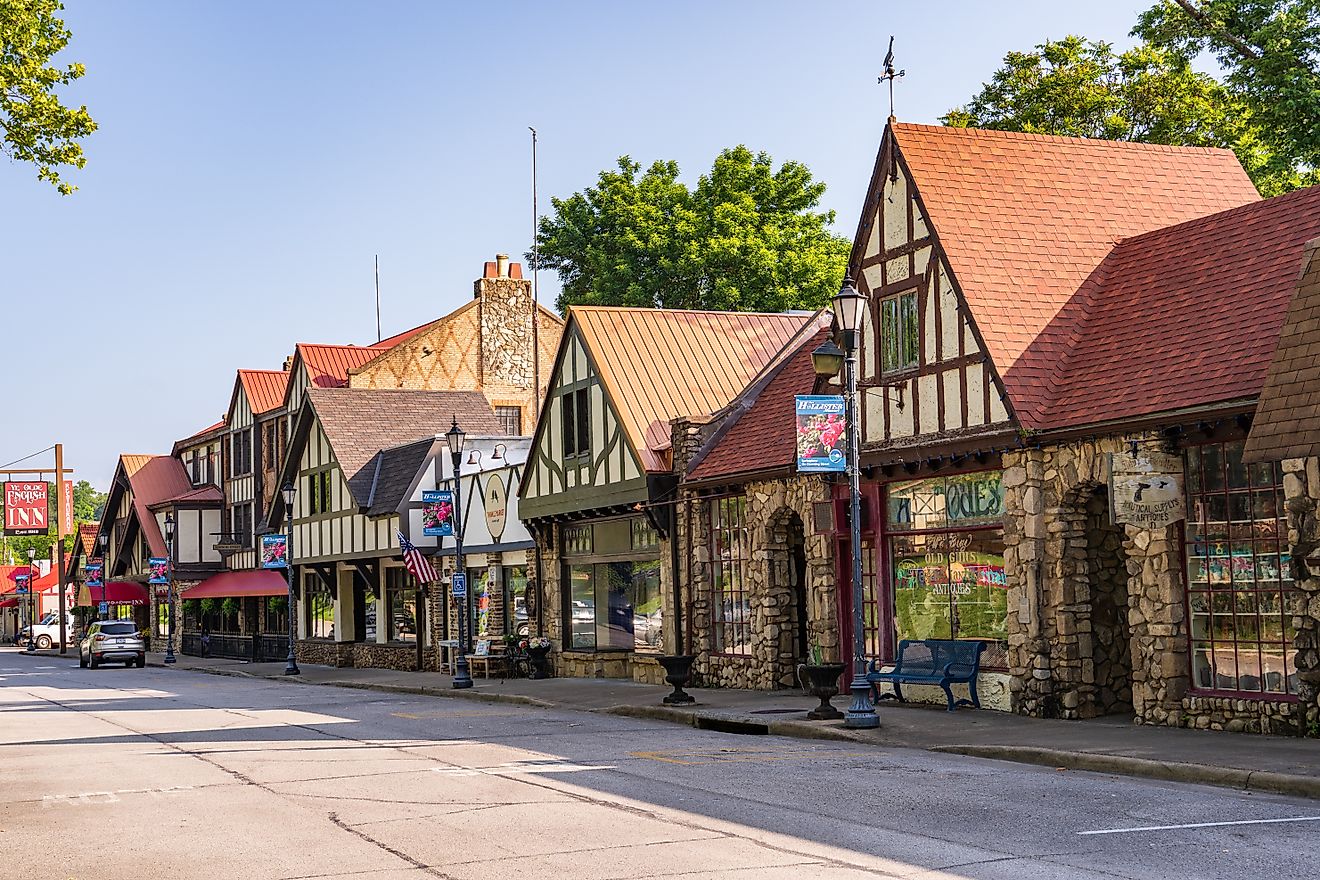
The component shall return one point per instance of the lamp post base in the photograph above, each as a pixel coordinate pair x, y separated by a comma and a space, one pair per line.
169, 657
462, 677
861, 714
291, 667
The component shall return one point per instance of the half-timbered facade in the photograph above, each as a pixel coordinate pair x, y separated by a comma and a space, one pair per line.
598, 487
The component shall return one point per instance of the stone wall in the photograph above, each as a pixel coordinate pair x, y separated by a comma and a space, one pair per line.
1301, 490
321, 652
403, 658
779, 516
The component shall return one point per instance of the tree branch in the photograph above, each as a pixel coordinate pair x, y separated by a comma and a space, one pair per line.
1243, 48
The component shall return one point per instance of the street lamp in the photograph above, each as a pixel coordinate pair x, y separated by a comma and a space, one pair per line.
290, 662
32, 595
849, 310
104, 539
169, 590
455, 437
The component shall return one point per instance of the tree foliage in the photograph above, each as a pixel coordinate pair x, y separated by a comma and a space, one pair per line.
87, 506
34, 125
746, 238
1269, 51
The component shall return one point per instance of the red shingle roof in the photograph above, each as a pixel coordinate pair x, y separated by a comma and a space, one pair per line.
1184, 316
763, 436
264, 389
1025, 219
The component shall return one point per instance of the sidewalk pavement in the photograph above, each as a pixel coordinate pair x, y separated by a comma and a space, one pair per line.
1283, 765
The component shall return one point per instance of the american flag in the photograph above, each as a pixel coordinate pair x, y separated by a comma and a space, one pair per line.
416, 562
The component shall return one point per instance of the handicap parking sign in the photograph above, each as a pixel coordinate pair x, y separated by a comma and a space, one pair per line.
103, 609
458, 584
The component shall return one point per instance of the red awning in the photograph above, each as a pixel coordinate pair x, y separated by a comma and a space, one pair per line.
115, 593
236, 584
9, 603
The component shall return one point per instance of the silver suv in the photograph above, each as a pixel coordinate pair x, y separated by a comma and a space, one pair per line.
112, 641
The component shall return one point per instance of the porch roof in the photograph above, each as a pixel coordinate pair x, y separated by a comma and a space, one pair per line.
238, 584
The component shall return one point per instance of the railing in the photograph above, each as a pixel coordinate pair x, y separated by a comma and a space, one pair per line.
272, 647
269, 646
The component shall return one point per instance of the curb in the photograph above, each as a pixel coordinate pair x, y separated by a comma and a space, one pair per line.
1123, 765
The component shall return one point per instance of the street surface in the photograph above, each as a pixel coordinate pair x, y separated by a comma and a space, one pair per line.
121, 774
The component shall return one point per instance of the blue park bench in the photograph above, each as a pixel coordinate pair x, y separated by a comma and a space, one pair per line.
931, 661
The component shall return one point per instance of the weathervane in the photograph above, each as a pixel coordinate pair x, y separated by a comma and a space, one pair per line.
890, 75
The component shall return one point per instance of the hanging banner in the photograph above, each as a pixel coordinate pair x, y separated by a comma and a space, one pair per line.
27, 508
22, 581
92, 574
66, 509
438, 514
274, 551
159, 570
1146, 489
821, 430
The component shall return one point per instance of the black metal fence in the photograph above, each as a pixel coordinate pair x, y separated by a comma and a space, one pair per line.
263, 647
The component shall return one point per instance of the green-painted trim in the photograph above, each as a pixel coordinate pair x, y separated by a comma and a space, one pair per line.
584, 498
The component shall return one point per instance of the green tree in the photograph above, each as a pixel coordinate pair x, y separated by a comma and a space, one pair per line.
1269, 51
1151, 94
87, 506
36, 127
746, 238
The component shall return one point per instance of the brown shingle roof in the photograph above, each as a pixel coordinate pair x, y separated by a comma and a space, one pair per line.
1287, 423
264, 389
359, 422
661, 364
1184, 316
1026, 218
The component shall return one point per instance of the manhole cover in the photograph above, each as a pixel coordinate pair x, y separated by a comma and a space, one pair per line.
777, 711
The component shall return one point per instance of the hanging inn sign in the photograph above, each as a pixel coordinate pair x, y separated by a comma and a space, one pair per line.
1146, 489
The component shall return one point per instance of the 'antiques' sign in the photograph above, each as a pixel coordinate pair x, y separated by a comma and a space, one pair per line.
26, 508
821, 433
1146, 489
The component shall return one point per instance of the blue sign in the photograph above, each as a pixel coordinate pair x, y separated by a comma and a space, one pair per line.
822, 434
458, 585
438, 514
274, 551
22, 591
103, 609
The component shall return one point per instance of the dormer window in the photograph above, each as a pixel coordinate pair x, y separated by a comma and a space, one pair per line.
900, 334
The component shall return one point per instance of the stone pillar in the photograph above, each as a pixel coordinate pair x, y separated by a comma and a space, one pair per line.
1301, 489
345, 617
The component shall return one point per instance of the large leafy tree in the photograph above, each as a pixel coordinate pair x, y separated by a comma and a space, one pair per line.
748, 237
1269, 51
1083, 88
34, 126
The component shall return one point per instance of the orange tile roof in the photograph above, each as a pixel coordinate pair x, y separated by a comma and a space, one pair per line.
661, 364
1287, 423
1184, 316
1025, 219
87, 537
264, 389
328, 365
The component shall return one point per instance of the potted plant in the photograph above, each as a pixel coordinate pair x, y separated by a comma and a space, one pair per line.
823, 683
538, 649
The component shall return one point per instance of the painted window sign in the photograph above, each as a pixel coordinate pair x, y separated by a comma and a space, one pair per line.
159, 570
821, 430
438, 514
26, 508
274, 551
947, 502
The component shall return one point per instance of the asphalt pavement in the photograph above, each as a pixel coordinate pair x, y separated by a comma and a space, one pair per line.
172, 773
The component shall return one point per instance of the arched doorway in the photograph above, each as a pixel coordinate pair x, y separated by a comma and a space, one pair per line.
786, 557
1111, 638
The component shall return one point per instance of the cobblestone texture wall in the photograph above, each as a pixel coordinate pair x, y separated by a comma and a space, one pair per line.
1301, 489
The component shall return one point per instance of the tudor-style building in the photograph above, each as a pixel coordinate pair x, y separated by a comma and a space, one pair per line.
598, 492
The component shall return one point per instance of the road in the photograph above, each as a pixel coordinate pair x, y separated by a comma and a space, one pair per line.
118, 774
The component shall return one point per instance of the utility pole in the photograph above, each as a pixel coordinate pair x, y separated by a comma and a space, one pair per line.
536, 291
59, 540
378, 336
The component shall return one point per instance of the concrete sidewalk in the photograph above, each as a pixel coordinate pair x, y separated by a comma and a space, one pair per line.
1285, 765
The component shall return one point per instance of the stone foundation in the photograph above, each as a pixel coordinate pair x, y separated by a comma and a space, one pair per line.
324, 653
1301, 490
399, 657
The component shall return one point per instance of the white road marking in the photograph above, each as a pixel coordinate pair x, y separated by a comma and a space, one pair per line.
106, 797
520, 767
1203, 825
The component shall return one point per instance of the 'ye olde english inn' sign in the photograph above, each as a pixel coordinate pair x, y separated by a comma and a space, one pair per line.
1146, 489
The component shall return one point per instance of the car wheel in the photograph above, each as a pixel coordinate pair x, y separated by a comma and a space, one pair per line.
43, 642
82, 661
141, 662
92, 661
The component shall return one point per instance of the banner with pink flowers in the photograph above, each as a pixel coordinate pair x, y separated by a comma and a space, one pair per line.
438, 514
821, 430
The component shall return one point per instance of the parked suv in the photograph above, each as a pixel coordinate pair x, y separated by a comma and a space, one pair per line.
47, 631
112, 641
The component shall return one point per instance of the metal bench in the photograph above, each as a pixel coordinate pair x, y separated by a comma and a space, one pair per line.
931, 661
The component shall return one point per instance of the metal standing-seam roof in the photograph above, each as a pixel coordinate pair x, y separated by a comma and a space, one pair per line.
661, 364
264, 389
328, 365
159, 478
1026, 218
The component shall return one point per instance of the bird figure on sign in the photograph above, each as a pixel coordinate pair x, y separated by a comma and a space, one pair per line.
889, 75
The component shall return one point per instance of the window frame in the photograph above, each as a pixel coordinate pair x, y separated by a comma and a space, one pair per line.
313, 586
730, 553
902, 329
576, 419
510, 415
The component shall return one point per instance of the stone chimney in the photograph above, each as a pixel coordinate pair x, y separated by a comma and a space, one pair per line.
505, 303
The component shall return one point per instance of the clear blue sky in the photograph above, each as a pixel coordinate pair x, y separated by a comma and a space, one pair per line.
252, 158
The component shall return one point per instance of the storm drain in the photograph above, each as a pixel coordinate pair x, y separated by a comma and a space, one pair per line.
728, 725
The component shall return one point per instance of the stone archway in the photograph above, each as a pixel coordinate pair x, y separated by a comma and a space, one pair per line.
785, 601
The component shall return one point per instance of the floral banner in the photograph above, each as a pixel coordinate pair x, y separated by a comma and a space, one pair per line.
92, 574
274, 551
438, 514
159, 568
821, 431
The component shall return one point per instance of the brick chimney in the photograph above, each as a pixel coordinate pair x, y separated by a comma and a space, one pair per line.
505, 303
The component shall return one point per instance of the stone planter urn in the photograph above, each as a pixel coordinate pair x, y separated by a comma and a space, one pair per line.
823, 681
678, 669
540, 661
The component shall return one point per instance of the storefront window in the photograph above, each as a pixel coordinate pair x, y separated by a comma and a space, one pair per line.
515, 607
401, 599
163, 619
947, 553
479, 585
729, 554
617, 605
368, 615
320, 609
582, 604
1239, 573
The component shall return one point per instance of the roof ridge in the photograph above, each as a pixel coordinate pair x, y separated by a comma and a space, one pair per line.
1261, 204
1059, 138
652, 309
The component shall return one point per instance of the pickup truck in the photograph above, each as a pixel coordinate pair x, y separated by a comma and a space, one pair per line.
47, 632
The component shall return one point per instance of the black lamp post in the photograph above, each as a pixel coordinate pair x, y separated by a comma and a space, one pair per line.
849, 311
455, 437
169, 590
290, 662
104, 539
31, 603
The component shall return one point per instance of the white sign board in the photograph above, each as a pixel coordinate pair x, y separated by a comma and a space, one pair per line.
1146, 489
